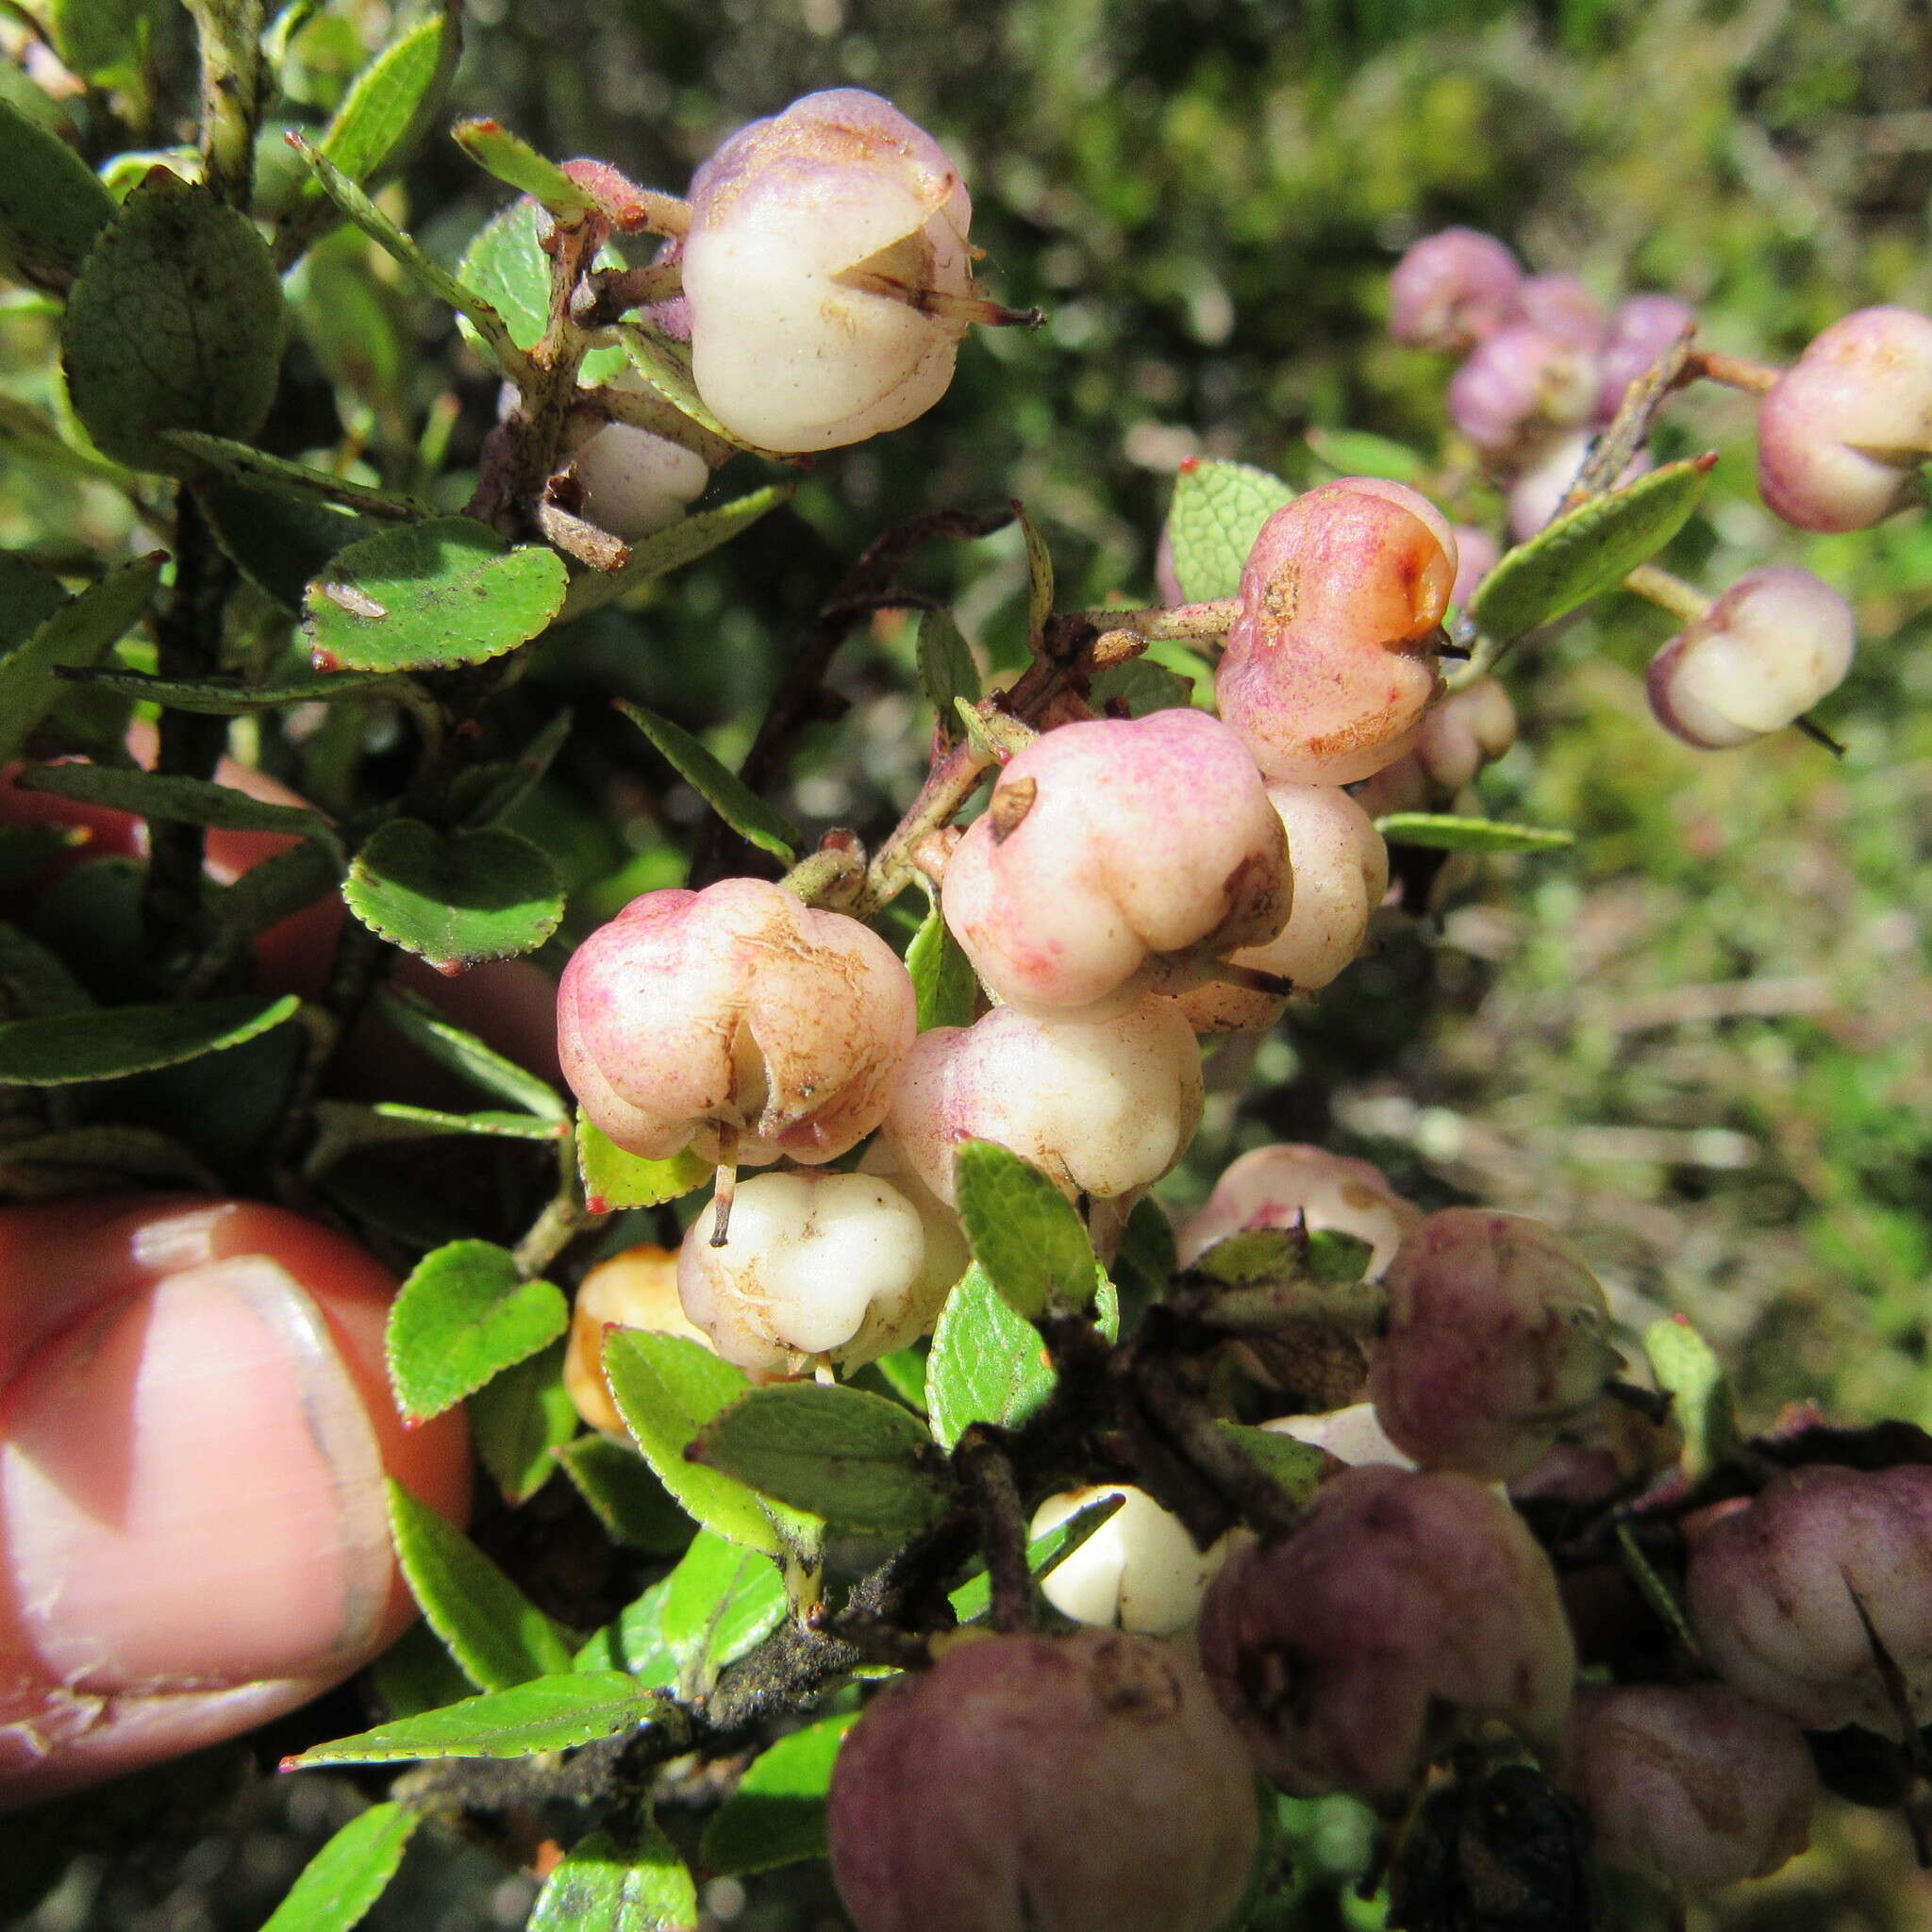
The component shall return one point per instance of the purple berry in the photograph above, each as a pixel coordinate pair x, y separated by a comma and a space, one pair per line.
1450, 290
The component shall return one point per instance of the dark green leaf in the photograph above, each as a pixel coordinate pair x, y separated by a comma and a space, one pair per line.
1022, 1230
614, 1179
1142, 686
52, 205
778, 1814
521, 1421
629, 1501
465, 1056
1217, 513
349, 1874
1323, 1257
190, 801
35, 980
1361, 453
851, 1458
1587, 552
79, 633
1655, 1590
497, 1635
1039, 577
279, 542
174, 323
747, 814
987, 1364
1446, 833
218, 698
902, 1370
431, 596
457, 898
943, 977
117, 1155
548, 1714
602, 1888
516, 164
465, 1315
269, 892
28, 596
416, 1673
69, 1047
720, 1599
1295, 1467
1045, 1552
946, 670
255, 468
1688, 1371
1146, 1261
682, 542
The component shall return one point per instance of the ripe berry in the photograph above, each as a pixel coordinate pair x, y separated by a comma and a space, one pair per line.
1562, 307
1291, 1185
1138, 1570
1518, 387
1450, 290
1114, 857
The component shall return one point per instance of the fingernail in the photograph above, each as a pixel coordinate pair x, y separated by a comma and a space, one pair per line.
190, 1491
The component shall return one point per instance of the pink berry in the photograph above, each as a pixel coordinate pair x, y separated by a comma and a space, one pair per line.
1115, 856
1085, 1782
1562, 307
1641, 332
1450, 290
1691, 1785
1468, 729
1477, 554
1291, 1185
735, 1020
1538, 491
1770, 1594
1842, 434
1769, 648
1344, 1650
1332, 661
1498, 1339
1518, 387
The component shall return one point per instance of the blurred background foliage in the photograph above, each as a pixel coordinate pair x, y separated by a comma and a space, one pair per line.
1701, 1043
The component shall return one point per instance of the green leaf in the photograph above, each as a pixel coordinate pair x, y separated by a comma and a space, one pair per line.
219, 698
457, 898
1142, 686
778, 1814
1447, 833
946, 670
1655, 1590
175, 324
1217, 513
349, 1874
667, 1388
279, 542
614, 1179
189, 801
987, 1362
104, 40
1701, 1405
431, 1121
720, 1599
390, 104
522, 1422
269, 892
747, 814
68, 1047
628, 1500
1587, 552
635, 1641
943, 977
416, 1673
79, 633
1022, 1230
1294, 1466
1146, 1261
1045, 1552
1039, 577
602, 1888
28, 596
465, 1056
52, 205
505, 263
516, 164
431, 596
497, 1635
35, 980
117, 1155
1361, 453
670, 549
465, 1315
240, 462
851, 1458
554, 1713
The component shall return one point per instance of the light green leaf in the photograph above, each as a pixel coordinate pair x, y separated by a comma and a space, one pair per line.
778, 1814
52, 206
851, 1458
69, 1047
987, 1362
522, 1422
465, 1056
176, 322
747, 814
106, 40
1295, 1467
1652, 1587
190, 801
80, 633
431, 596
628, 1500
682, 542
516, 164
1142, 686
614, 1179
602, 1888
497, 1635
1447, 833
506, 265
457, 898
1217, 513
1587, 552
465, 1315
349, 1874
1023, 1232
943, 977
1361, 453
1688, 1371
719, 1602
946, 670
430, 1122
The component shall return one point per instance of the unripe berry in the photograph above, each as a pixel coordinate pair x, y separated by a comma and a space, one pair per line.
818, 1264
1641, 332
1341, 868
1767, 650
1450, 290
637, 1288
1085, 1782
1768, 1592
790, 349
1353, 1435
1292, 1185
735, 1020
1691, 1785
1140, 1569
1332, 661
1468, 729
1399, 1601
632, 483
1498, 1339
1562, 307
1104, 1106
1518, 386
1538, 491
1842, 434
1115, 856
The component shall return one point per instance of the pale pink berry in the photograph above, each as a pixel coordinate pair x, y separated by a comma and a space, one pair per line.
1498, 1339
1518, 387
1538, 491
1025, 1783
1477, 554
1140, 1569
1691, 1785
1769, 1594
1842, 434
797, 223
1293, 1185
1346, 1651
1114, 858
1340, 867
1468, 729
1351, 1435
1450, 290
1104, 1106
1643, 330
1562, 307
1332, 661
1769, 648
737, 1021
631, 483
